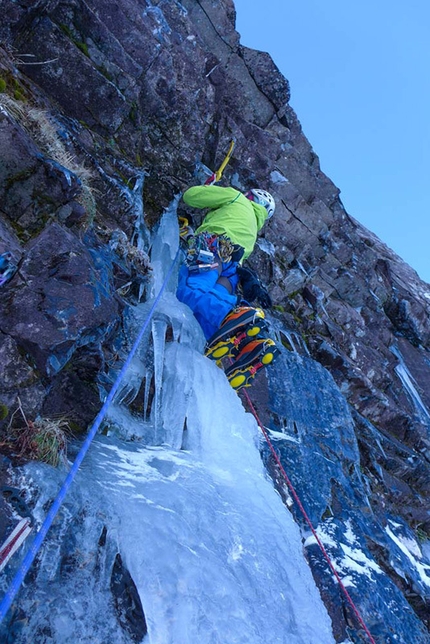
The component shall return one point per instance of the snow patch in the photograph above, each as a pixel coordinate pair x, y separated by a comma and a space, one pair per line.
354, 562
411, 550
278, 177
282, 436
266, 246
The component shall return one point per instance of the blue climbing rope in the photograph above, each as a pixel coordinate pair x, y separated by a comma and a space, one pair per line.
41, 534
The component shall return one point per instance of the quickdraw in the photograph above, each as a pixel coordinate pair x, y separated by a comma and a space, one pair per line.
206, 249
221, 245
199, 254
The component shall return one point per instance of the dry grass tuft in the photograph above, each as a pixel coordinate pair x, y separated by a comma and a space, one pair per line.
137, 256
43, 439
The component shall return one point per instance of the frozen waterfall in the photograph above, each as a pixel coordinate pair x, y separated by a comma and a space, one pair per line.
181, 493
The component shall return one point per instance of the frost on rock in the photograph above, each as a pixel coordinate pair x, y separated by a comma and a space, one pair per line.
410, 387
162, 29
409, 553
278, 177
266, 246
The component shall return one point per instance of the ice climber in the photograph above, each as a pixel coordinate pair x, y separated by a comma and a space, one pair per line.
210, 277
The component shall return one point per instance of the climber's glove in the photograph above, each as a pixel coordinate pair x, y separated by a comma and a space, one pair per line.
252, 288
263, 298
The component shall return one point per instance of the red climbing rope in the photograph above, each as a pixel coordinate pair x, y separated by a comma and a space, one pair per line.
307, 519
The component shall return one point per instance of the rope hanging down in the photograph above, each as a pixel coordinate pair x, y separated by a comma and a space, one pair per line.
41, 534
308, 521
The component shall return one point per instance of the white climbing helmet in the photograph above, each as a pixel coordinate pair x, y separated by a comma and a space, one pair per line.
262, 197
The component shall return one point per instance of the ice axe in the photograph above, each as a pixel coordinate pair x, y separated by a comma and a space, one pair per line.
208, 177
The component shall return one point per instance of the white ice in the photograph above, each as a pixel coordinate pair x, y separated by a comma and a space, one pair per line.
214, 553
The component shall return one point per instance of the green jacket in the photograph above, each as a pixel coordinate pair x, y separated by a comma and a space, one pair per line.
231, 214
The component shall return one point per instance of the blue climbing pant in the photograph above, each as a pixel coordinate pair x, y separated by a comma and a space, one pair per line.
210, 302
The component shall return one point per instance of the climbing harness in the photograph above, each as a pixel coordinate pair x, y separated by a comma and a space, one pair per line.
41, 534
217, 175
307, 519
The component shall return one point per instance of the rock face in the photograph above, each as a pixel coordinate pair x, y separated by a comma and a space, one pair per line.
124, 90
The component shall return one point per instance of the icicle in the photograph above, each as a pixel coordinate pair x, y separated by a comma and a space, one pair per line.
302, 268
134, 199
132, 382
408, 383
148, 377
178, 374
140, 235
164, 247
294, 340
159, 327
51, 554
123, 394
289, 336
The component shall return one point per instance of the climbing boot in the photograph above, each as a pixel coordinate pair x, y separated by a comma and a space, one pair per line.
242, 323
253, 356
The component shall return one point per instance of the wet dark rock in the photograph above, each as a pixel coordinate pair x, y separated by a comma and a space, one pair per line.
5, 508
92, 98
31, 186
62, 302
20, 379
73, 213
127, 601
73, 393
9, 242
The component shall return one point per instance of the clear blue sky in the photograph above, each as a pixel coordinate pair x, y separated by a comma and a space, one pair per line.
360, 85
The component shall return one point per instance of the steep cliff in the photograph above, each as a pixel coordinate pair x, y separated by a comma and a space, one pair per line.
105, 107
